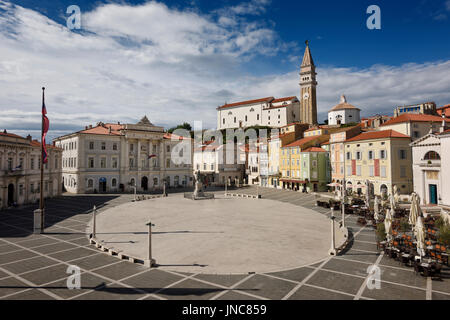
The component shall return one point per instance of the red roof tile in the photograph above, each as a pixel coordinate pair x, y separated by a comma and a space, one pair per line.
240, 103
12, 135
284, 99
105, 129
384, 134
412, 117
174, 136
314, 149
300, 142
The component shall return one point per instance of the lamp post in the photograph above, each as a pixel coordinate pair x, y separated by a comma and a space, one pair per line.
226, 184
332, 250
94, 224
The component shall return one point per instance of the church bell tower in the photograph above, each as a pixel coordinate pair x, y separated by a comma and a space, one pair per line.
308, 83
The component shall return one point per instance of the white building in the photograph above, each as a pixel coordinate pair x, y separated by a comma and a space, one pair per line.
115, 157
260, 112
431, 161
20, 174
343, 113
210, 158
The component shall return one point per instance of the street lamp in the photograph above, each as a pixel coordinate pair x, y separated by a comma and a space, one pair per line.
332, 250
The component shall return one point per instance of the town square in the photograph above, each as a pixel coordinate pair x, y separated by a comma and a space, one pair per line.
160, 150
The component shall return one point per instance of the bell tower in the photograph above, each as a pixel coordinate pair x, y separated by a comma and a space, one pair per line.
308, 83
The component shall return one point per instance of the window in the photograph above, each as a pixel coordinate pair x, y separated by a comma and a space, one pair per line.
349, 170
10, 164
371, 171
114, 146
402, 154
416, 134
168, 148
402, 172
113, 182
257, 117
131, 147
245, 118
370, 154
383, 154
90, 162
131, 162
90, 183
358, 170
432, 155
223, 120
32, 164
383, 171
32, 188
349, 156
234, 119
20, 189
314, 163
358, 155
168, 163
114, 162
91, 145
102, 163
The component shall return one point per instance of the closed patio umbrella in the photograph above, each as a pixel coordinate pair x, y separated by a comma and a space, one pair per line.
413, 211
445, 216
396, 196
388, 225
367, 198
420, 236
376, 209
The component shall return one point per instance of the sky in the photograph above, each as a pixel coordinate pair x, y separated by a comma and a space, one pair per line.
176, 61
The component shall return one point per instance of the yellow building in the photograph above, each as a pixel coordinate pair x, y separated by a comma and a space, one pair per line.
291, 161
382, 157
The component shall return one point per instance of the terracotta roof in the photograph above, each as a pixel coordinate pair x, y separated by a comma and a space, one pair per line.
326, 143
175, 136
36, 143
314, 149
300, 142
413, 117
229, 105
444, 107
12, 135
284, 99
384, 134
343, 105
104, 129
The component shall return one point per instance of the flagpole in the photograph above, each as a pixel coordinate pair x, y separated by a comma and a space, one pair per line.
41, 203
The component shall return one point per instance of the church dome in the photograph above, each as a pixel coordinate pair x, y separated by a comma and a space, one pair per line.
343, 105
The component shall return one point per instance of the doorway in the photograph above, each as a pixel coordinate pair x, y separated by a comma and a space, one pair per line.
144, 183
10, 194
433, 194
102, 184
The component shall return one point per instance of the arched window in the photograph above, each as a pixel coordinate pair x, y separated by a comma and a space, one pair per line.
155, 181
132, 182
432, 155
114, 182
90, 183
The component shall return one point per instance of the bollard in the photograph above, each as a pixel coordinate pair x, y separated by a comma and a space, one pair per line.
226, 183
150, 262
333, 243
38, 221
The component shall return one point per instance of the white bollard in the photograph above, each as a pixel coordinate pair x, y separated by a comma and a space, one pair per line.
332, 250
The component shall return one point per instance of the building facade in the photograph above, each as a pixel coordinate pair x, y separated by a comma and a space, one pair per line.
268, 111
430, 160
337, 152
343, 113
120, 157
382, 157
421, 108
414, 125
20, 170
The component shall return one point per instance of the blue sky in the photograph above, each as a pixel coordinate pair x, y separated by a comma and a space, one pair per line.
178, 60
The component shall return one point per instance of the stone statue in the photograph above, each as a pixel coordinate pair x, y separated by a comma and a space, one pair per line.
198, 190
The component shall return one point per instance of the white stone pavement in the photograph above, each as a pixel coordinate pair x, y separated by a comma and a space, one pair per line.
220, 236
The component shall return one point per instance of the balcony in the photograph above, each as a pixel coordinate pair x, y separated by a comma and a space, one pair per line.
430, 164
14, 172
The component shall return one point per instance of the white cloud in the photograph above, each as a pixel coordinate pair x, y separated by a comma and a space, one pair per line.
172, 65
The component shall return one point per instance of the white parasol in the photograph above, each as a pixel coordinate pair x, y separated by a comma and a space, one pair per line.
413, 212
420, 236
376, 209
388, 225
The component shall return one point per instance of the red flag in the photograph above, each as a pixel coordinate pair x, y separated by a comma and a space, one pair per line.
45, 127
